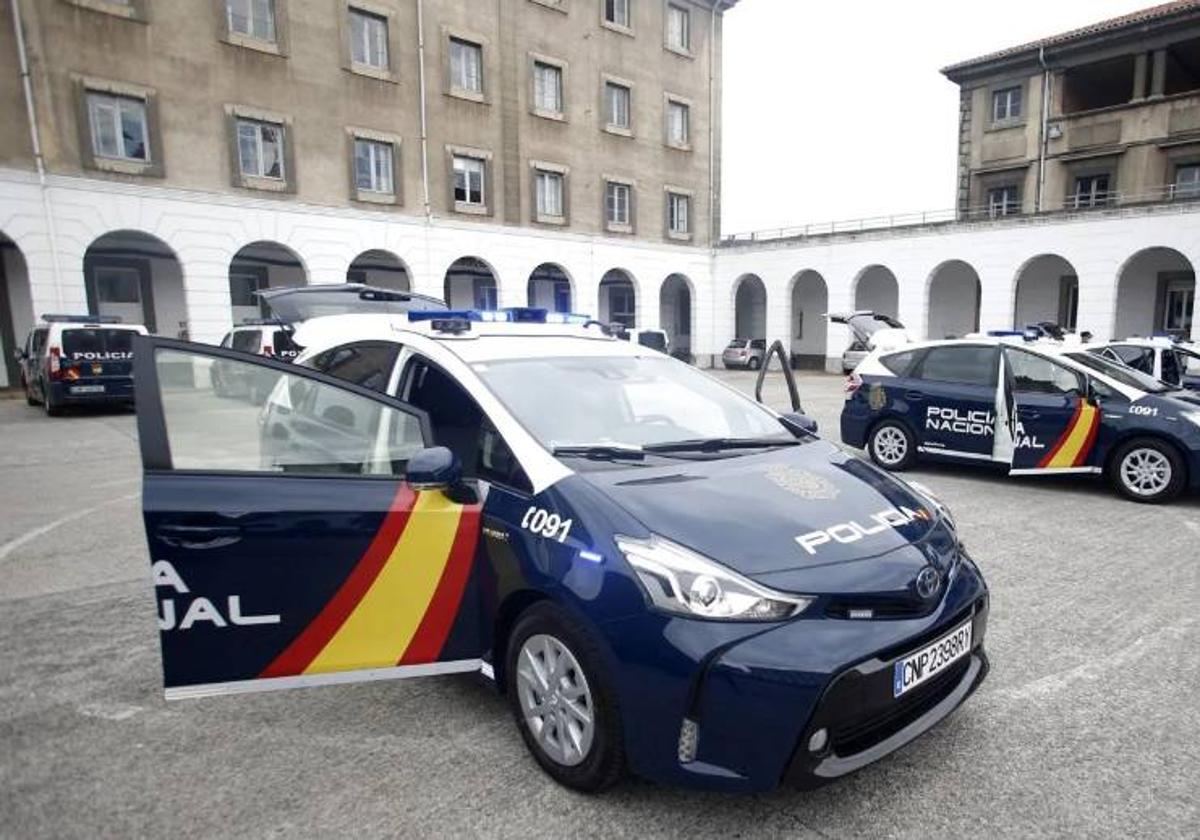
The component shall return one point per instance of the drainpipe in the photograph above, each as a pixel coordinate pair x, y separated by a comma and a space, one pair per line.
35, 141
713, 232
1043, 139
424, 117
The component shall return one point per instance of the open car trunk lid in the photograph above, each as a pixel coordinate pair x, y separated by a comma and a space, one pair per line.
294, 304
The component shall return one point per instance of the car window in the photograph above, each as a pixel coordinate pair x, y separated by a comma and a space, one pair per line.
303, 426
1172, 369
737, 343
899, 363
95, 343
248, 341
967, 365
1138, 358
1034, 374
759, 344
365, 363
1120, 372
225, 342
37, 341
459, 424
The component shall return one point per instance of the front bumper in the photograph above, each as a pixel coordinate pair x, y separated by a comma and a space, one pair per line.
757, 699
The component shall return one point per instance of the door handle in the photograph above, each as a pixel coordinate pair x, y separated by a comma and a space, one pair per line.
1031, 413
914, 395
199, 536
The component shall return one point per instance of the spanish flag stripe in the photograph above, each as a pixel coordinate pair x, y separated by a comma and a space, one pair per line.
1086, 449
427, 644
382, 625
297, 656
1075, 439
1048, 460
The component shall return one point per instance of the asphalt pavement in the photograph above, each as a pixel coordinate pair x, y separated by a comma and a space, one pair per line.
1089, 724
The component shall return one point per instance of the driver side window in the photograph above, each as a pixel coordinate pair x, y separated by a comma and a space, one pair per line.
1034, 374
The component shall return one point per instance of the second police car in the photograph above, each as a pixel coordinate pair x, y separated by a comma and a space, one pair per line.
1034, 407
661, 574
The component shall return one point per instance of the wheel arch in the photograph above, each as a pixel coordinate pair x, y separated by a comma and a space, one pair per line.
510, 609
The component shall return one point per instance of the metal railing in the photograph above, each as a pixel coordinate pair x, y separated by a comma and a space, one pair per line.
1083, 203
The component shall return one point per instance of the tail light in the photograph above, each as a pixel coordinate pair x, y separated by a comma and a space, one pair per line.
853, 383
55, 363
267, 351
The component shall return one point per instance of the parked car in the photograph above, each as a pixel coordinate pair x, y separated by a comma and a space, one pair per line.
1176, 363
867, 328
745, 353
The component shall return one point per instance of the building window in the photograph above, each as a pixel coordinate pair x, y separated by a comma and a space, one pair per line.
373, 166
466, 66
1091, 191
1187, 181
678, 124
679, 28
548, 187
678, 214
1177, 313
368, 39
616, 12
547, 87
616, 105
468, 181
118, 127
617, 202
1006, 104
1002, 201
260, 149
253, 18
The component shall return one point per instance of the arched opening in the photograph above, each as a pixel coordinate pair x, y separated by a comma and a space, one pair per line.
809, 327
549, 288
261, 265
618, 298
1156, 293
953, 301
1047, 290
378, 267
471, 284
675, 314
136, 277
16, 309
877, 291
750, 307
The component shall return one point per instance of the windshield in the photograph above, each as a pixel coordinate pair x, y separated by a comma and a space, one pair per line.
623, 401
1122, 373
98, 343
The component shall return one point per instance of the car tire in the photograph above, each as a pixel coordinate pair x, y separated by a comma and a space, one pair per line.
29, 400
545, 632
1147, 470
892, 446
52, 410
754, 364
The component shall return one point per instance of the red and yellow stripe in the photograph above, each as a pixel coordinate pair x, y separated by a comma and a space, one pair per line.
1073, 448
399, 602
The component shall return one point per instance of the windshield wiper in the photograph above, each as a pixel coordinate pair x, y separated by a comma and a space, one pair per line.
601, 451
718, 444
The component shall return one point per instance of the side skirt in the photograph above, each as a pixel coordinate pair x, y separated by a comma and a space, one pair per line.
1057, 471
432, 669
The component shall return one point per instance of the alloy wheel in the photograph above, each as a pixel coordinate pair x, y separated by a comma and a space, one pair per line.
1146, 472
890, 445
555, 699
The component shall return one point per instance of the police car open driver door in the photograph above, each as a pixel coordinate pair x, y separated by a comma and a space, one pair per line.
287, 548
1053, 423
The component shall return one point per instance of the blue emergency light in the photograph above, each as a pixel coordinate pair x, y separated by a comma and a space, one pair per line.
511, 315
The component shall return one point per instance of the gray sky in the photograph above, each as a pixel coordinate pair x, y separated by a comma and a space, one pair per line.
835, 109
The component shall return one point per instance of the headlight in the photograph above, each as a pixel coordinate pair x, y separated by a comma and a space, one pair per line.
680, 581
934, 502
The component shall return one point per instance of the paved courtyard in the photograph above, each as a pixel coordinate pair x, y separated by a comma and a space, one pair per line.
1087, 726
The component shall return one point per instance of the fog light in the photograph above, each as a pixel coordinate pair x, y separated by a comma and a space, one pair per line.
689, 737
818, 740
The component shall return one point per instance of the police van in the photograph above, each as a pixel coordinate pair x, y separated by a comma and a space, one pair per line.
659, 573
70, 360
1035, 407
1174, 362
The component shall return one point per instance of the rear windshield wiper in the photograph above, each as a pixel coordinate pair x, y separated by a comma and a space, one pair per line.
601, 451
718, 444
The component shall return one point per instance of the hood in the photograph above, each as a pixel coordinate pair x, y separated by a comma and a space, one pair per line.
873, 329
807, 518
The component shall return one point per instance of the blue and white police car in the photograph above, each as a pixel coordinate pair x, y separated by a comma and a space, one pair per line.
1034, 407
662, 575
1176, 363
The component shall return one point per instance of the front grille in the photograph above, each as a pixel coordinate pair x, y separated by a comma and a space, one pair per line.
854, 737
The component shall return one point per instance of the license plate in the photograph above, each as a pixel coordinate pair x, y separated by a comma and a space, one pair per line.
931, 660
87, 389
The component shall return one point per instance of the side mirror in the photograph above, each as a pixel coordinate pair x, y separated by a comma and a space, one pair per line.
19, 354
800, 422
435, 468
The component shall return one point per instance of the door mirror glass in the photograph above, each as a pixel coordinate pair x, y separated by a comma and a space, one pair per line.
434, 468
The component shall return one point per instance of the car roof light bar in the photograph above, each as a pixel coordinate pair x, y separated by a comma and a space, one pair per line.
509, 315
81, 319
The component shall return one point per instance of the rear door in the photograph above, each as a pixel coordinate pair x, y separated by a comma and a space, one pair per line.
287, 548
1053, 423
952, 397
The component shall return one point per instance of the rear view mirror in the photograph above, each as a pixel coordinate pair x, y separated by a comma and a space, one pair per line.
800, 422
434, 468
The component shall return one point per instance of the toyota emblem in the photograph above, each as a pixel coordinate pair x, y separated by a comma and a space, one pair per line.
928, 582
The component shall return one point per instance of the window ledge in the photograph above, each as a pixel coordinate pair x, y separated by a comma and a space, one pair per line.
258, 182
383, 74
682, 52
614, 227
553, 116
237, 39
618, 130
372, 197
1004, 125
468, 95
552, 5
627, 31
679, 147
678, 236
125, 167
470, 209
129, 11
543, 219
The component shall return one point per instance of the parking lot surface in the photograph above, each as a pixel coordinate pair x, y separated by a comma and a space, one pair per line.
1088, 725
